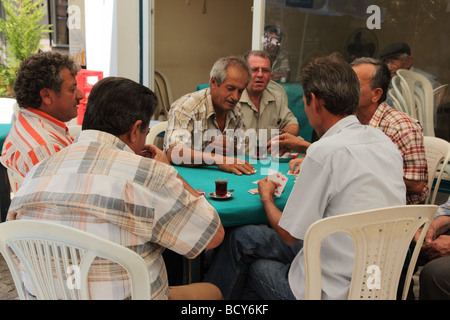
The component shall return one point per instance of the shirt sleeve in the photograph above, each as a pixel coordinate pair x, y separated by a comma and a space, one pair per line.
308, 199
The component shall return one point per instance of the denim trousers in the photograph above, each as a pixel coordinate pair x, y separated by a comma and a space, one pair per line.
253, 263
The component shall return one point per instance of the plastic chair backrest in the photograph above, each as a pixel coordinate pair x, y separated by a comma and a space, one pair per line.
400, 95
381, 239
163, 91
396, 103
421, 90
438, 93
437, 151
48, 252
155, 131
7, 110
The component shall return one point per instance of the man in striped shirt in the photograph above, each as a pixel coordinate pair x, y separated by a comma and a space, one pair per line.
404, 131
113, 185
46, 91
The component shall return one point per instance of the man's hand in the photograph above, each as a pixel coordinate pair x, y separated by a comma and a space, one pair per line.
152, 152
236, 166
294, 165
287, 142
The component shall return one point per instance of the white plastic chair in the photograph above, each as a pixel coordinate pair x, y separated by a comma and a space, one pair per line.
74, 130
381, 239
47, 251
163, 91
155, 131
421, 95
438, 93
396, 103
7, 110
438, 155
400, 92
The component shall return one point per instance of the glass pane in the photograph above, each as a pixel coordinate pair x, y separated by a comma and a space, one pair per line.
320, 27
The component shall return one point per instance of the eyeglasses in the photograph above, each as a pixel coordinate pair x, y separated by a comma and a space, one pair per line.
272, 41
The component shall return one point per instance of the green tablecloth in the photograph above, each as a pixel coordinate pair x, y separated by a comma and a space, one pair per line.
243, 208
4, 184
294, 92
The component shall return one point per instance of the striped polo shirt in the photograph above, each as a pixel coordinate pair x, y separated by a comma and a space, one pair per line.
34, 136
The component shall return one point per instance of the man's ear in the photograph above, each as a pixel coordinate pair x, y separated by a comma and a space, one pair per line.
377, 93
213, 83
46, 96
135, 130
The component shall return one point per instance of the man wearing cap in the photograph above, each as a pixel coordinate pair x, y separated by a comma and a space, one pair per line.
398, 56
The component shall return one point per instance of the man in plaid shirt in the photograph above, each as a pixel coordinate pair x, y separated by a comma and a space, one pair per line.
404, 131
111, 184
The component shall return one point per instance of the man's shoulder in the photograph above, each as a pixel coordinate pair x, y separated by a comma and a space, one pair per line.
192, 101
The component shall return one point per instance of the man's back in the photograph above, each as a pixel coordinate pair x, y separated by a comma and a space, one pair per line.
351, 168
99, 185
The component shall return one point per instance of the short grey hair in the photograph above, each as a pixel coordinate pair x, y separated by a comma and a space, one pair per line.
220, 69
381, 77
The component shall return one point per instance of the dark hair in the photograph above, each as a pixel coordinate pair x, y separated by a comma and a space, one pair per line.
274, 29
381, 77
334, 81
115, 104
41, 71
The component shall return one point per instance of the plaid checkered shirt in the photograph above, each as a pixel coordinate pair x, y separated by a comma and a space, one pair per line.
407, 134
99, 185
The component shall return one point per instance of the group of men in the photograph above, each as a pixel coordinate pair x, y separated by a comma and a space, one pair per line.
131, 194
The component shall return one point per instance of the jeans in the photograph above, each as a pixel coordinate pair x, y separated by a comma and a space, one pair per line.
253, 263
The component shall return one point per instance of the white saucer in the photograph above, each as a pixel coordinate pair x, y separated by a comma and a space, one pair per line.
213, 195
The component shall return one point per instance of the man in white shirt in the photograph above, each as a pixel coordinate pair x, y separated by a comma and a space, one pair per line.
350, 169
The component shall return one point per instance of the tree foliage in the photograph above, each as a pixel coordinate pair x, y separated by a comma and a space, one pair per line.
23, 32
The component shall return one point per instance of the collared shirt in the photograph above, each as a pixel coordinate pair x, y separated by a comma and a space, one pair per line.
407, 134
99, 185
444, 209
34, 136
273, 113
351, 168
192, 119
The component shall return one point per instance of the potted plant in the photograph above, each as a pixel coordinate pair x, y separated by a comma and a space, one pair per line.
23, 32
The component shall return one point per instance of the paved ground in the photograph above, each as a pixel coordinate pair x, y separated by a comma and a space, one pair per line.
7, 288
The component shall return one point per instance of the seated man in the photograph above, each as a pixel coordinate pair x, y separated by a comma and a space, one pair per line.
398, 56
404, 131
351, 168
264, 108
110, 184
279, 59
435, 275
205, 127
46, 91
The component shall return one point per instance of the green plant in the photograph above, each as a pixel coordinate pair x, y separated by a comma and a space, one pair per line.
23, 33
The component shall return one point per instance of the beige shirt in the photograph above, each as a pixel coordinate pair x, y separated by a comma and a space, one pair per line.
192, 121
274, 113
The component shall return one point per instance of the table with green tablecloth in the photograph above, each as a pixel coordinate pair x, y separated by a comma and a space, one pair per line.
294, 91
5, 198
244, 207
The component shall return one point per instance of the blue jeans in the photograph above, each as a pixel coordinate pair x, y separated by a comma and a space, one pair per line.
253, 263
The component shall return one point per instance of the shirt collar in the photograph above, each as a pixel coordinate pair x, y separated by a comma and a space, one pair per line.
46, 117
89, 136
378, 115
341, 124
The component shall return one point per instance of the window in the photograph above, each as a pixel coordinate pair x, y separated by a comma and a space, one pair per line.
58, 18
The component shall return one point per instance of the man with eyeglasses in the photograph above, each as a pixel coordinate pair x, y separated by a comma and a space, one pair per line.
398, 56
279, 60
